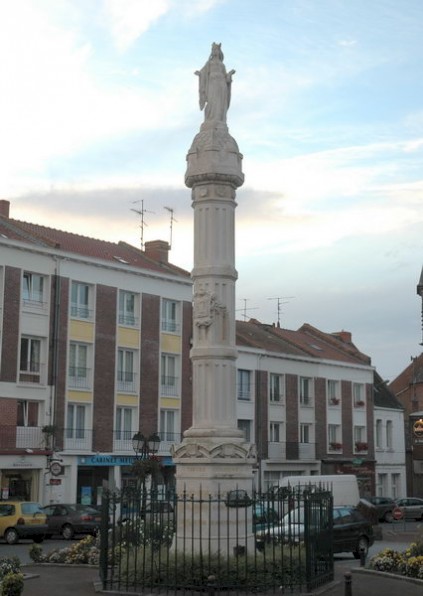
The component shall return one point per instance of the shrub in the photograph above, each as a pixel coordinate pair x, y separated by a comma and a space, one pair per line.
12, 584
9, 565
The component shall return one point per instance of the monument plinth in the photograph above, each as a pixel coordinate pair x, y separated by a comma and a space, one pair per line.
214, 457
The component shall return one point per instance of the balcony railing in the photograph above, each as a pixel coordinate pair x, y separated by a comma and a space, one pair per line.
169, 386
170, 326
126, 381
78, 439
79, 377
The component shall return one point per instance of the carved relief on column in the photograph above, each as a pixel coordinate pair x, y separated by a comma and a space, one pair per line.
208, 312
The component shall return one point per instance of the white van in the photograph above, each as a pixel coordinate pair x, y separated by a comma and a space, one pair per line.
344, 487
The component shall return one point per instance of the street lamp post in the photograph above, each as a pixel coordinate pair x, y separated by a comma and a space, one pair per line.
145, 462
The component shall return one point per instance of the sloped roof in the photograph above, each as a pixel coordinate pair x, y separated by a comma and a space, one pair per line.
85, 246
413, 373
383, 396
306, 341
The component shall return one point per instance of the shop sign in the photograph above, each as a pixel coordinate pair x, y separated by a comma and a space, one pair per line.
106, 460
55, 468
55, 481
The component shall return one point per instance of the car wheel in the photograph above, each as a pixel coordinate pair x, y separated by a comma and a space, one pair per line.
67, 532
11, 536
388, 517
38, 539
362, 547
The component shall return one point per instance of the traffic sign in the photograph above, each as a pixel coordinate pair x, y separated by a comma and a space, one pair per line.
397, 513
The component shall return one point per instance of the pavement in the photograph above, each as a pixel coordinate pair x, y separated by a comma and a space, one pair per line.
68, 580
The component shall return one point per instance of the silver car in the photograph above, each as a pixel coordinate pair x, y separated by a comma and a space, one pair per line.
412, 507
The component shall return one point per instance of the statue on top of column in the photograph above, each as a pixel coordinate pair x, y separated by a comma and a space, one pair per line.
215, 86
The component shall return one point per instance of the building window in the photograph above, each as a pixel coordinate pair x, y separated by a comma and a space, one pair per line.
169, 380
360, 438
170, 316
378, 433
244, 385
245, 426
27, 414
33, 288
382, 485
124, 424
275, 433
168, 425
30, 363
305, 433
76, 421
358, 394
80, 300
389, 434
334, 437
125, 371
276, 388
333, 393
127, 304
395, 486
78, 377
306, 391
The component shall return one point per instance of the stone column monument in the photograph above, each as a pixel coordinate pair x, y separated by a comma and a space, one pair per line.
214, 457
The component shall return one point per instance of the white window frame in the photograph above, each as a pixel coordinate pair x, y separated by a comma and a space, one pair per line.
25, 413
305, 433
80, 305
333, 392
169, 379
79, 376
358, 394
126, 373
124, 425
31, 366
244, 383
276, 388
170, 316
275, 432
379, 433
33, 288
389, 434
246, 426
169, 425
306, 391
127, 307
76, 421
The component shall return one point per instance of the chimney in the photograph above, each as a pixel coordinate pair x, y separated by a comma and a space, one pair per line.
344, 336
4, 208
158, 250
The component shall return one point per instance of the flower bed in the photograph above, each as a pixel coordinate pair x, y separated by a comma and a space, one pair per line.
408, 563
83, 552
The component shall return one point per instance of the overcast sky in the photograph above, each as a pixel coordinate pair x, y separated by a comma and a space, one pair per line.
99, 106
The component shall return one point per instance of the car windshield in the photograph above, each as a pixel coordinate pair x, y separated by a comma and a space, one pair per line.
31, 508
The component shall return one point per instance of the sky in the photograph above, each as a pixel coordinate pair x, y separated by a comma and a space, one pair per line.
99, 106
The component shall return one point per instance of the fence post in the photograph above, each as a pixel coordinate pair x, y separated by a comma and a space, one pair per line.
348, 583
211, 585
362, 557
104, 537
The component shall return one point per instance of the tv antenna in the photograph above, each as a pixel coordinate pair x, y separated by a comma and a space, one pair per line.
172, 219
281, 300
245, 300
143, 223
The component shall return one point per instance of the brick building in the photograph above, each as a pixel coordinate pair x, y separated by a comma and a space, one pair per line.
95, 340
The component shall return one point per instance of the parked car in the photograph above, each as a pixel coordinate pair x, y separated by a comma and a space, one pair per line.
412, 507
69, 520
159, 511
384, 507
22, 519
351, 530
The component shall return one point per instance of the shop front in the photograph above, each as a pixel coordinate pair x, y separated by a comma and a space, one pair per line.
22, 477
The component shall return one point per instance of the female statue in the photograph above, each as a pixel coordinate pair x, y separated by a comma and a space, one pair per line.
215, 86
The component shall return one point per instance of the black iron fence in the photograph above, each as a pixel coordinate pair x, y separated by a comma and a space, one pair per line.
229, 543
